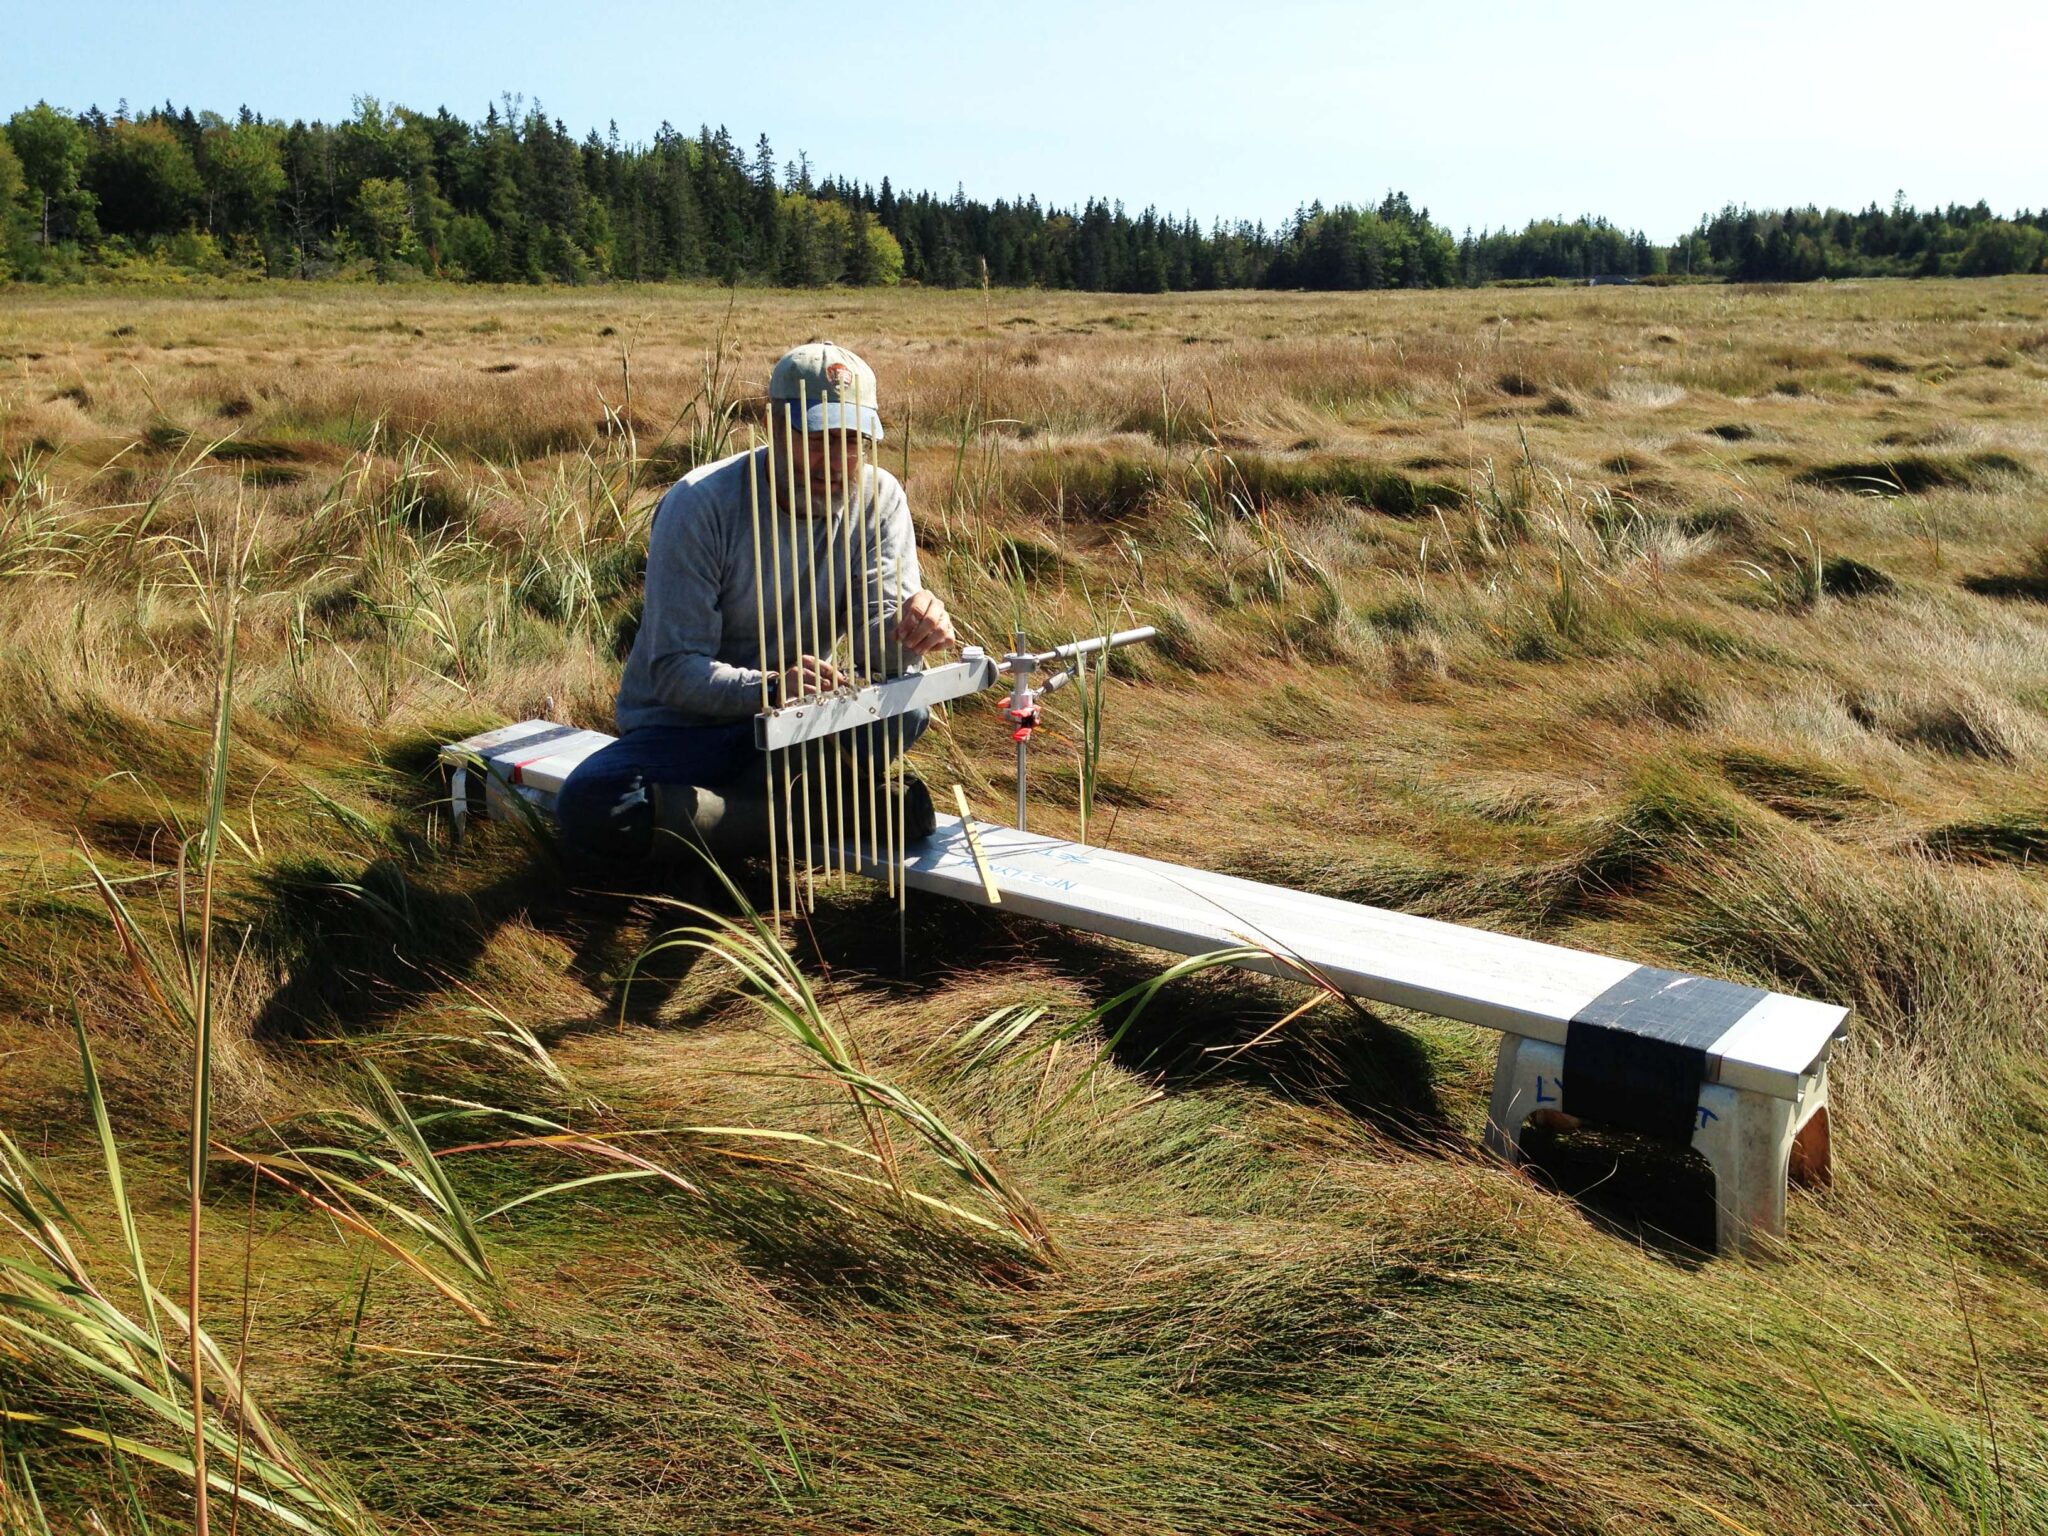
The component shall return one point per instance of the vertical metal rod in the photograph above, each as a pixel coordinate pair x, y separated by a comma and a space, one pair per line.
879, 639
854, 758
814, 751
896, 801
883, 736
781, 520
845, 789
899, 802
1023, 742
899, 860
1086, 781
799, 547
761, 649
821, 613
871, 744
828, 648
1023, 748
846, 768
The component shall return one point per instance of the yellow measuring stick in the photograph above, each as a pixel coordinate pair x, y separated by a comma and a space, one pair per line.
988, 881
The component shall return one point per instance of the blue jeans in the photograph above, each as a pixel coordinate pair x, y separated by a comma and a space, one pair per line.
607, 813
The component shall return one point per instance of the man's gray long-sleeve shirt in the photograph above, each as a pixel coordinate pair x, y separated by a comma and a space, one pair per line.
700, 652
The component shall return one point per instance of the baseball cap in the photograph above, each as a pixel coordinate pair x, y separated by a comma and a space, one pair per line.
836, 387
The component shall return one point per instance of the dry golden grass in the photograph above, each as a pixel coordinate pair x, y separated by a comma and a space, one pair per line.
1702, 625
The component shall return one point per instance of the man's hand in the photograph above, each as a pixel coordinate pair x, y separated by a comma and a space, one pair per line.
924, 625
809, 676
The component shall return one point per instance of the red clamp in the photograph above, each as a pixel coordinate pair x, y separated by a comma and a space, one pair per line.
1025, 718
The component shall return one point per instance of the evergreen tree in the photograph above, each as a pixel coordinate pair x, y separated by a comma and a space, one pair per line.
766, 211
862, 262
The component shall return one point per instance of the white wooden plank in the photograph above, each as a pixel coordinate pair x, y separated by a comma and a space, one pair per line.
540, 754
502, 738
562, 758
1520, 986
1486, 978
1780, 1034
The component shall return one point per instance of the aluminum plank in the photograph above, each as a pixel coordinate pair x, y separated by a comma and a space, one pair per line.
829, 713
553, 761
1520, 986
1781, 1034
507, 738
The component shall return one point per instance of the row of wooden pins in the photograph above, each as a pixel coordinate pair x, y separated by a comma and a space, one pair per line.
819, 825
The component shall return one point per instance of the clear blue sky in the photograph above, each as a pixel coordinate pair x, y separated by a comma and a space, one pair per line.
1488, 112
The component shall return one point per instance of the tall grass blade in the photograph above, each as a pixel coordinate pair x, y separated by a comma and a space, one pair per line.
428, 1175
54, 1315
333, 1200
777, 985
117, 1186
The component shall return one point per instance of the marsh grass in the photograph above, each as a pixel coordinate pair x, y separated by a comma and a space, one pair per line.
778, 986
61, 1320
1547, 611
58, 1316
393, 1156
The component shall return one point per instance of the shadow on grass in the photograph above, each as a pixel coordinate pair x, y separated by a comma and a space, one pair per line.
813, 1241
1661, 1199
362, 943
1217, 1026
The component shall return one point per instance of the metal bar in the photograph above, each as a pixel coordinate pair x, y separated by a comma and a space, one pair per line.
870, 573
761, 648
1521, 986
832, 713
850, 766
781, 519
1023, 742
828, 593
892, 810
1088, 647
799, 547
902, 826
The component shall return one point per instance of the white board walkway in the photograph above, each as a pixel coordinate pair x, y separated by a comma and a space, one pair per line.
1518, 986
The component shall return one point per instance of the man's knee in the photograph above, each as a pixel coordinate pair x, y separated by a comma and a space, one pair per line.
605, 817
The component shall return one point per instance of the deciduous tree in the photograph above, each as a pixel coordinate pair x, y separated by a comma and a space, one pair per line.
143, 178
244, 173
51, 147
384, 217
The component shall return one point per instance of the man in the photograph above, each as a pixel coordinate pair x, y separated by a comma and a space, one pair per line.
693, 681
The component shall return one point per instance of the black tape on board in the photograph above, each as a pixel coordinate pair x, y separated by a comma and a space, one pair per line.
1634, 1057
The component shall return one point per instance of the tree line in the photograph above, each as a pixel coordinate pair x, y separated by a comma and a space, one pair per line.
514, 198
